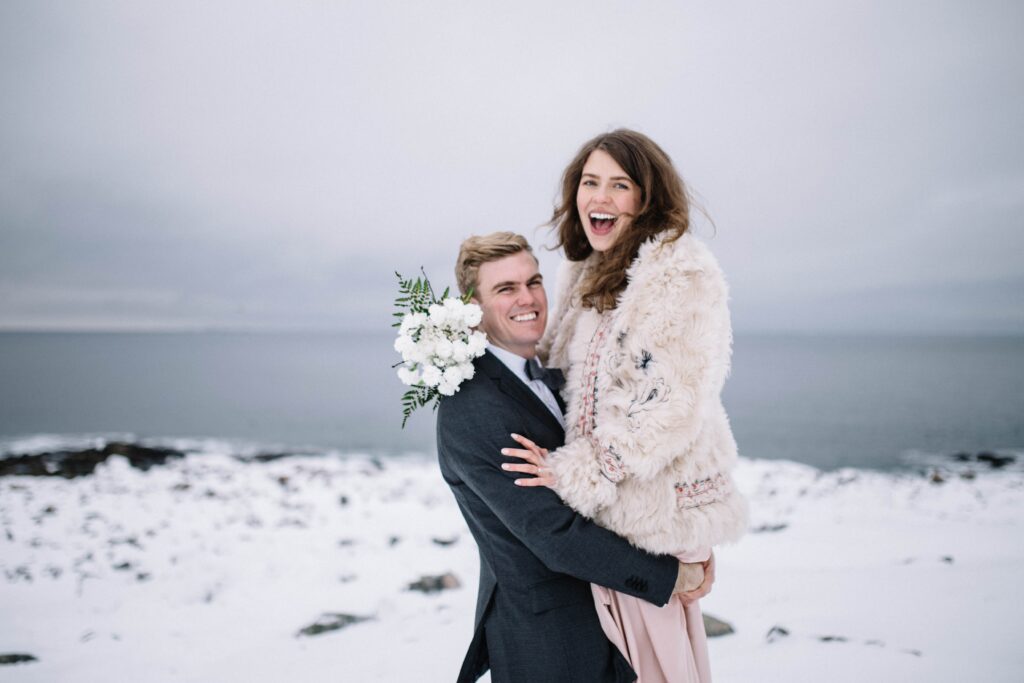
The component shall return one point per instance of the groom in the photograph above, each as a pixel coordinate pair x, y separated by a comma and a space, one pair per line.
535, 614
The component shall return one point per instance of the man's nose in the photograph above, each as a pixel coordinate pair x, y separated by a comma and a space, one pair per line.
526, 297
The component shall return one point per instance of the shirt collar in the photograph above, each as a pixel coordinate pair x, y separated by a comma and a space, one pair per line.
513, 361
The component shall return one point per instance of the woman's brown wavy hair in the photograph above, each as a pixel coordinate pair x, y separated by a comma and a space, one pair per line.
664, 208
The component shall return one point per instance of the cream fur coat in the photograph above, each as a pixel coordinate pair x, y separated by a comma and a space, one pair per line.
649, 452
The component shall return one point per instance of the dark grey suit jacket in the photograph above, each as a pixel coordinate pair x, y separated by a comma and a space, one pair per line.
535, 616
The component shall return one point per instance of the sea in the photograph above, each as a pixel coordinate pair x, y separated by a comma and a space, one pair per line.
877, 402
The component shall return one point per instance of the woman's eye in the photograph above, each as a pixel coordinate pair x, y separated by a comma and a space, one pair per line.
621, 186
589, 183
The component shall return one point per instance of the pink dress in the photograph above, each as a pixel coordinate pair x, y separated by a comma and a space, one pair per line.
663, 644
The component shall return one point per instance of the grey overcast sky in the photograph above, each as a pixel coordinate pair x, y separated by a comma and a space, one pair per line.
253, 164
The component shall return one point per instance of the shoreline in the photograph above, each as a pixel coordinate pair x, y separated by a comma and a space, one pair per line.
208, 568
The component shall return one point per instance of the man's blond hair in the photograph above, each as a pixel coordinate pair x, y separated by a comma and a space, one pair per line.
479, 249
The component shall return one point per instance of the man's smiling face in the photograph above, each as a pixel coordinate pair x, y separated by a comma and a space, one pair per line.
511, 294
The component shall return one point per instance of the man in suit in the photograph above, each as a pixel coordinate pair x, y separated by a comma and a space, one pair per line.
535, 614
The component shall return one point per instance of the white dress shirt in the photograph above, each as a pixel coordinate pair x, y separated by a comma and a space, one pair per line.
517, 364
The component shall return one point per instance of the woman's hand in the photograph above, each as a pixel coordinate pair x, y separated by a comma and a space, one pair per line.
536, 463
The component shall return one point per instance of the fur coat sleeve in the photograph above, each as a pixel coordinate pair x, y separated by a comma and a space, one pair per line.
659, 429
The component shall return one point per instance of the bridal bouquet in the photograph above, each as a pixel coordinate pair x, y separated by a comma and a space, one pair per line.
436, 340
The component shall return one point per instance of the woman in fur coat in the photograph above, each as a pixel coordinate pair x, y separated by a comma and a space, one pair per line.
642, 331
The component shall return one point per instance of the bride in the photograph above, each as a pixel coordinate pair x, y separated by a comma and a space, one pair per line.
642, 331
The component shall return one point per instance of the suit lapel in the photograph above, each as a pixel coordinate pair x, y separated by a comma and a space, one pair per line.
511, 385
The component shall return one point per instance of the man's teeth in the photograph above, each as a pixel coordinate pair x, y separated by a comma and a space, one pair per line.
525, 317
601, 217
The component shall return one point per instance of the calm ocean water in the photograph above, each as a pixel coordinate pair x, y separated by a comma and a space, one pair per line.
828, 401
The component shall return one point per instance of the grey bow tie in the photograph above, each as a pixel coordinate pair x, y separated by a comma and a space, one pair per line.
552, 377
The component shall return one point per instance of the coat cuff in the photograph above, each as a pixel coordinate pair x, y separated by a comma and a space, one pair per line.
581, 480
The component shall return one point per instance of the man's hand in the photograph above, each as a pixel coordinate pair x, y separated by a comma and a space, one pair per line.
688, 596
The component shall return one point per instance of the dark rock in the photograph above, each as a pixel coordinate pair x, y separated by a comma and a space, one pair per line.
394, 540
331, 621
264, 457
948, 559
16, 658
769, 528
776, 633
445, 542
716, 627
435, 584
343, 501
936, 477
916, 653
123, 567
967, 474
962, 457
71, 464
996, 461
832, 639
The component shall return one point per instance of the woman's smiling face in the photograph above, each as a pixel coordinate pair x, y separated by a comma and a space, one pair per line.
607, 200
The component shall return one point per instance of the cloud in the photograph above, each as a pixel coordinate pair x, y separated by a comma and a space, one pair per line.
270, 165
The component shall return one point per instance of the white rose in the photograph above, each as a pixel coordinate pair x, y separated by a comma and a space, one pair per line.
477, 343
411, 322
431, 376
438, 315
443, 349
453, 375
447, 389
467, 370
472, 314
408, 375
460, 351
424, 348
404, 343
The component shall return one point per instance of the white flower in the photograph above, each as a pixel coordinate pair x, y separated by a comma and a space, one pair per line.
438, 315
453, 375
443, 349
404, 343
424, 348
472, 314
460, 351
477, 343
412, 322
409, 376
437, 346
431, 376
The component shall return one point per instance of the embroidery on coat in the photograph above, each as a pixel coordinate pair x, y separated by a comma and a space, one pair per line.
695, 494
609, 461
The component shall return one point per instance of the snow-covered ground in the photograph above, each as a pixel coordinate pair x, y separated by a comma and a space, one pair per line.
207, 568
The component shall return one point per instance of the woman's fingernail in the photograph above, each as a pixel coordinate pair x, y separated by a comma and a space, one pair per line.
517, 482
504, 467
516, 436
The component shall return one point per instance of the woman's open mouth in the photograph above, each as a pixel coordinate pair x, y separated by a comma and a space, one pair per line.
602, 223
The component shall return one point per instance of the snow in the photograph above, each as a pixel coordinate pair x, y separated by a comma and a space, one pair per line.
205, 569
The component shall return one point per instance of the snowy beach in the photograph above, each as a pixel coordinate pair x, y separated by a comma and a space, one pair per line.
209, 567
